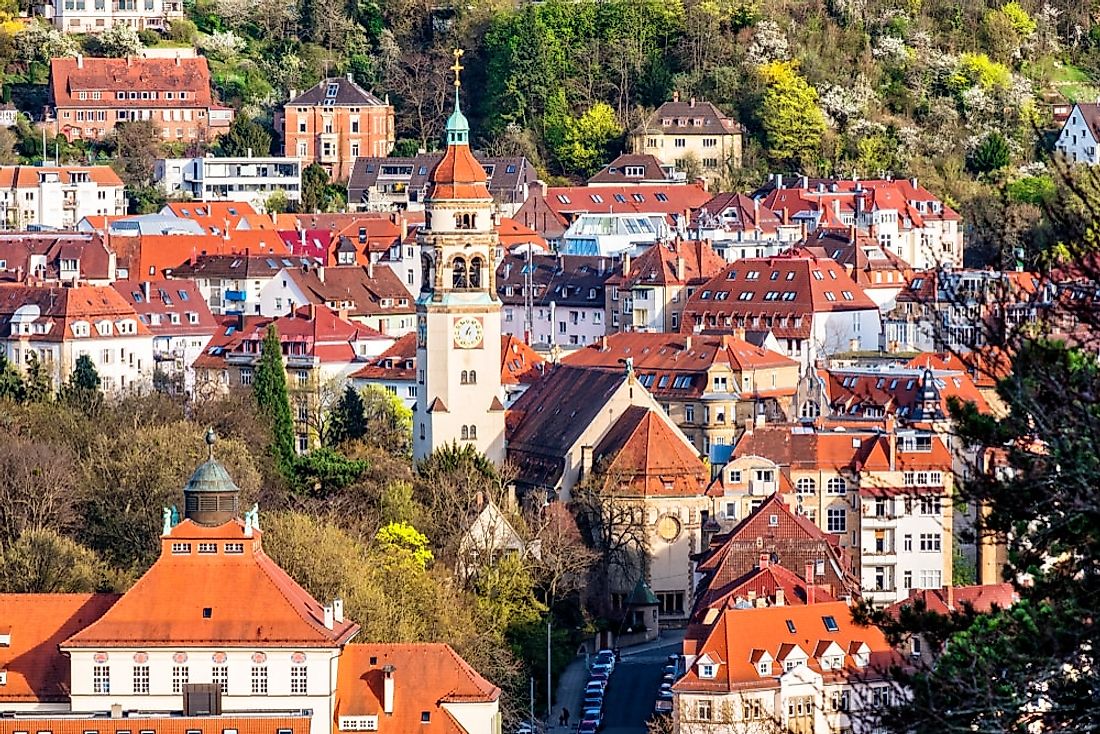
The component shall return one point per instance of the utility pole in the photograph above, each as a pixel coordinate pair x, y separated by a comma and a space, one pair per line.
532, 703
549, 696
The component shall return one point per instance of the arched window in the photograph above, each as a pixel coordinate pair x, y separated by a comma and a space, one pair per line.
806, 485
427, 273
471, 378
465, 433
475, 273
464, 378
837, 485
473, 432
810, 409
458, 267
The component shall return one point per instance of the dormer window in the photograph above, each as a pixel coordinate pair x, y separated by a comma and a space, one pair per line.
764, 667
708, 670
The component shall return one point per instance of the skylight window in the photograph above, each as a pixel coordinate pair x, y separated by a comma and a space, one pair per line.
620, 198
752, 275
790, 626
790, 275
332, 90
830, 296
563, 199
638, 197
830, 623
818, 275
660, 196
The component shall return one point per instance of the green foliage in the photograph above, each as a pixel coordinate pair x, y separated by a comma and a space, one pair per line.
273, 401
405, 148
400, 537
582, 144
276, 203
183, 30
318, 195
11, 381
991, 155
36, 380
43, 562
978, 69
1021, 22
245, 137
348, 421
388, 421
793, 123
1037, 190
81, 391
324, 471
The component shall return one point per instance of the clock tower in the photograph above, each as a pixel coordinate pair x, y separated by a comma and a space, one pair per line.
458, 312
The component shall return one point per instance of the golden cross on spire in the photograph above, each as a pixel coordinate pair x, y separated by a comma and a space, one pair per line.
458, 67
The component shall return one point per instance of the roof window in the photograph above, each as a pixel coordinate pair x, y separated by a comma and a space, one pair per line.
830, 623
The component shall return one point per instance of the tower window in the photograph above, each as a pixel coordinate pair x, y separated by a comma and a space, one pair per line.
465, 220
458, 268
468, 377
475, 272
469, 433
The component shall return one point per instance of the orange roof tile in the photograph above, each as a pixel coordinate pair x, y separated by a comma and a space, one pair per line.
458, 175
425, 676
70, 76
37, 671
252, 601
18, 177
254, 723
945, 600
649, 458
519, 363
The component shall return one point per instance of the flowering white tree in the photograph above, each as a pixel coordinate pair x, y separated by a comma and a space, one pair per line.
769, 43
222, 44
120, 40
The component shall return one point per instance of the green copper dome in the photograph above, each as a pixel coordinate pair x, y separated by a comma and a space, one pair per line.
458, 127
211, 497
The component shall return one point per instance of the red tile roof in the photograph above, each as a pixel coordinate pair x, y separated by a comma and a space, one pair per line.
741, 637
69, 76
519, 363
755, 588
425, 677
372, 290
59, 307
89, 249
736, 213
661, 265
668, 199
898, 391
38, 623
396, 363
458, 175
162, 299
659, 359
252, 723
252, 601
945, 600
150, 255
645, 457
19, 177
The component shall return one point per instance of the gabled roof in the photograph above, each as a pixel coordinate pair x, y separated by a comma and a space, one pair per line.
425, 677
241, 266
22, 177
396, 363
36, 670
372, 290
898, 391
662, 263
946, 600
740, 637
735, 212
691, 117
156, 301
755, 587
69, 76
507, 176
645, 457
251, 601
862, 256
642, 168
93, 256
519, 363
667, 199
1090, 115
57, 308
549, 418
336, 92
567, 280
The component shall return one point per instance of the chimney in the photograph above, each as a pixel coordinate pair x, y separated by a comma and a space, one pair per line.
129, 60
763, 562
178, 62
950, 598
687, 343
892, 441
626, 264
780, 598
370, 267
338, 610
351, 77
587, 460
810, 583
680, 268
145, 290
328, 617
913, 182
320, 270
80, 61
387, 689
116, 710
675, 96
404, 226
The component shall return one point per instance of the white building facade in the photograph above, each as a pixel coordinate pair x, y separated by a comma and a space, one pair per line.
248, 179
1079, 140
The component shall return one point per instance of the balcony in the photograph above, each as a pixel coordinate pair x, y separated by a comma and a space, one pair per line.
759, 488
301, 360
235, 295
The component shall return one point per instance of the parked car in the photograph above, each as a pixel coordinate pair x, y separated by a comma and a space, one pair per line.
663, 707
593, 715
593, 701
601, 675
607, 656
670, 670
665, 693
594, 686
587, 727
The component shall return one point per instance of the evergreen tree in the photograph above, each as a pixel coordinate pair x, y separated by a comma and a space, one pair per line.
245, 137
270, 392
36, 382
82, 389
11, 381
349, 418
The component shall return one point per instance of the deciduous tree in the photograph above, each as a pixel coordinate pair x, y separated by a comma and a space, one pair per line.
792, 122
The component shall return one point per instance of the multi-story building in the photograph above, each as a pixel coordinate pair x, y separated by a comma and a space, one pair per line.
176, 315
636, 169
550, 211
902, 215
321, 348
334, 123
370, 295
381, 184
708, 385
51, 197
877, 270
63, 258
737, 227
553, 300
884, 493
92, 95
1079, 140
649, 292
234, 284
695, 131
216, 637
810, 304
806, 669
251, 179
60, 324
96, 16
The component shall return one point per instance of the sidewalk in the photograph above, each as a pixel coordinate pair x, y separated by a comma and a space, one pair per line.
570, 694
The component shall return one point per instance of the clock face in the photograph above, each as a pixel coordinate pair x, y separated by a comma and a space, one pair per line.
468, 333
668, 528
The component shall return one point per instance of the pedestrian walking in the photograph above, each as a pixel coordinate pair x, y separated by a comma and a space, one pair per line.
564, 716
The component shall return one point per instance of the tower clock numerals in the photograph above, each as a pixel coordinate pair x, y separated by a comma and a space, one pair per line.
468, 333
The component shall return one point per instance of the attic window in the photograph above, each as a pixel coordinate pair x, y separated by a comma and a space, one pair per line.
660, 196
207, 612
332, 89
373, 660
181, 549
707, 670
773, 521
790, 626
425, 717
830, 623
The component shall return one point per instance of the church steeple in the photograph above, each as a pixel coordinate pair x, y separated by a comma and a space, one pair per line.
210, 497
458, 127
